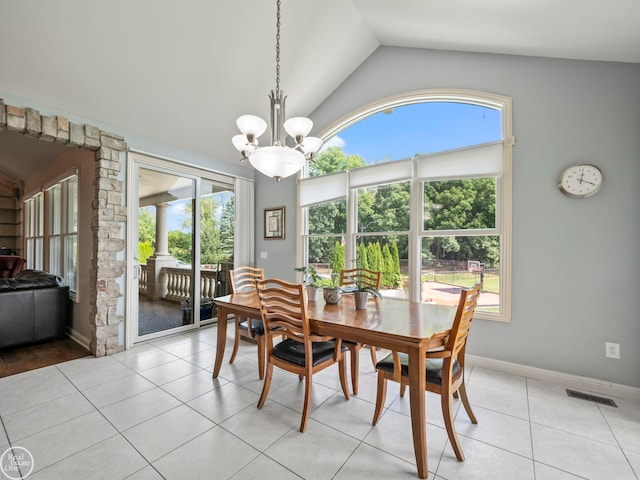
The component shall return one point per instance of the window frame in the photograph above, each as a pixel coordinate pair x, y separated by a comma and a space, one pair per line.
42, 230
417, 232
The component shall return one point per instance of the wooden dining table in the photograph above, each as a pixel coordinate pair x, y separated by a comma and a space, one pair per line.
392, 324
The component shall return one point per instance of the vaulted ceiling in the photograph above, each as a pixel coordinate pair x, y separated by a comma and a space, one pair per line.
182, 72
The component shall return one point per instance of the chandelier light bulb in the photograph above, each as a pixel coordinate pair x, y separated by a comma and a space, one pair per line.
311, 145
252, 126
298, 127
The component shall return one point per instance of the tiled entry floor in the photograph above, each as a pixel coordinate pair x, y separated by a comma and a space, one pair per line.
154, 412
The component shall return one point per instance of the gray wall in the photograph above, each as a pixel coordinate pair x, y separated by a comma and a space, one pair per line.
576, 267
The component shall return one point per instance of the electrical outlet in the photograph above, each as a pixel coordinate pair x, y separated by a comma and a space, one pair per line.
612, 350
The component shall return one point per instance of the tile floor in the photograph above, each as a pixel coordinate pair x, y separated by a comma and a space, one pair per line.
154, 412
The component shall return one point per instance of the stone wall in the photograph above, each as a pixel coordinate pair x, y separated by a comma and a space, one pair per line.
109, 213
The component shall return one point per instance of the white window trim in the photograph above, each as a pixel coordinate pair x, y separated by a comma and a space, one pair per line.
504, 182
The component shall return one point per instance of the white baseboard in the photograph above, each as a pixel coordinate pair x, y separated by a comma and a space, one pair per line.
573, 381
78, 338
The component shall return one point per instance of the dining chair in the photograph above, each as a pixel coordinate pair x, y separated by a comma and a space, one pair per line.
444, 367
283, 307
368, 278
243, 279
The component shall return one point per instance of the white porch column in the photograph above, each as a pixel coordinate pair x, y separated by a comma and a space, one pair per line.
162, 238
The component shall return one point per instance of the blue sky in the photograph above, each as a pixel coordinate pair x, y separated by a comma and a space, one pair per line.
419, 128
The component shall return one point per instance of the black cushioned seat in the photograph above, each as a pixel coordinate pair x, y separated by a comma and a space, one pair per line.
256, 325
434, 367
293, 352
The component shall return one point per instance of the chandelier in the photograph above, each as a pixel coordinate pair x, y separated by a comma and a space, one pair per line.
276, 160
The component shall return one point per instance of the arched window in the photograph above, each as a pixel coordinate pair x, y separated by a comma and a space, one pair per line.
417, 186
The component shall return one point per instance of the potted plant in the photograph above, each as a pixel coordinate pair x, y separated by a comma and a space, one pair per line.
361, 293
312, 280
332, 292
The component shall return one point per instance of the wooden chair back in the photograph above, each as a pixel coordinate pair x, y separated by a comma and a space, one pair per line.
243, 279
283, 306
457, 340
369, 278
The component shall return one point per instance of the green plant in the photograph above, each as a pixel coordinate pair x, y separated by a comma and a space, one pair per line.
331, 282
359, 286
311, 276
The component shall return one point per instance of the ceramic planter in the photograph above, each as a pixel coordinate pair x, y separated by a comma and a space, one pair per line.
331, 295
312, 293
361, 300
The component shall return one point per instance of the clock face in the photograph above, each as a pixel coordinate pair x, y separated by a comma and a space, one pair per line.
580, 181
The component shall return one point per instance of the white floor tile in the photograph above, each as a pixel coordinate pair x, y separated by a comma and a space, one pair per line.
112, 459
579, 455
368, 463
392, 434
484, 462
105, 373
193, 385
261, 428
59, 442
117, 390
352, 416
319, 452
264, 468
170, 371
545, 472
215, 454
224, 402
26, 390
46, 415
169, 430
147, 358
574, 416
503, 431
139, 408
147, 473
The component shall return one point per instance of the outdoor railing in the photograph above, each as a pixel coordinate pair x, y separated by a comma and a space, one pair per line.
178, 283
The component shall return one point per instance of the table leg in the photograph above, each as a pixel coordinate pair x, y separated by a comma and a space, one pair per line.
418, 417
222, 339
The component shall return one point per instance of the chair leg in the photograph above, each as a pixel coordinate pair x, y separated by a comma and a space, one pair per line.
465, 402
342, 370
380, 397
307, 401
236, 340
261, 340
355, 366
403, 386
266, 385
447, 413
374, 358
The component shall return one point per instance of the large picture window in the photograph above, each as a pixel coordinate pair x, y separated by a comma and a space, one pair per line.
418, 187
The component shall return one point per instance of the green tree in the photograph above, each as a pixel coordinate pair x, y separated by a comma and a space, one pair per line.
145, 250
146, 226
180, 245
227, 225
338, 258
387, 267
334, 160
395, 267
361, 256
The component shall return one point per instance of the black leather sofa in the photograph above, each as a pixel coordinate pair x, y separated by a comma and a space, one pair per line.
34, 306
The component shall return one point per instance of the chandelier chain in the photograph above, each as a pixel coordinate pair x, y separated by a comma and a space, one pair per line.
278, 49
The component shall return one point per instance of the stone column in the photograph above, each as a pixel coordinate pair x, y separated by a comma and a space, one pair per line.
156, 277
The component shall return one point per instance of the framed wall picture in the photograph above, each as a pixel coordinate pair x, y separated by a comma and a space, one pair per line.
274, 223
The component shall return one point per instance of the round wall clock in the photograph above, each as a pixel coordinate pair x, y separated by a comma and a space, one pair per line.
580, 181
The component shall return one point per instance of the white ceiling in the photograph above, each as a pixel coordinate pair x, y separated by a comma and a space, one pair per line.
182, 72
